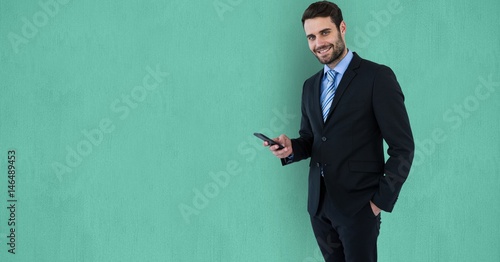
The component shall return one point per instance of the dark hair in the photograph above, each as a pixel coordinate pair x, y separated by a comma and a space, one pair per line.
323, 9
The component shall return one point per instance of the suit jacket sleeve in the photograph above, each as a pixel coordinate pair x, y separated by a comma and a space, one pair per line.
392, 118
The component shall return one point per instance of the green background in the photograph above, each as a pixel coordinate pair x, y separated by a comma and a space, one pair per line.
234, 67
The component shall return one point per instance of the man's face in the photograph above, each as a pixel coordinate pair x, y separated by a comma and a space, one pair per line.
326, 41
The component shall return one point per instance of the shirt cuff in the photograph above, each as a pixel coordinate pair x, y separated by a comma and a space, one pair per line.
287, 160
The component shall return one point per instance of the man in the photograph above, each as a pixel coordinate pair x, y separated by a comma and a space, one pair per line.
348, 109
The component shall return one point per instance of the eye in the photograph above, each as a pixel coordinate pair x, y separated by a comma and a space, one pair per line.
310, 37
325, 32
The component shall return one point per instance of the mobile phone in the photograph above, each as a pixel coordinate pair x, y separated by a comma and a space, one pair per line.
268, 140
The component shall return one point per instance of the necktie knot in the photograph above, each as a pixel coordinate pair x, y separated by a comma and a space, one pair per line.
331, 75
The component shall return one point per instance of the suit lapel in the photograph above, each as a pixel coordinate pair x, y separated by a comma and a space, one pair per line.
318, 114
349, 74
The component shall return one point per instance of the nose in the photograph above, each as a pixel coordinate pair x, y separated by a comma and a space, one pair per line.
319, 41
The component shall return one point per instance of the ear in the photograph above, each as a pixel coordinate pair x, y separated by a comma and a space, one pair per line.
343, 27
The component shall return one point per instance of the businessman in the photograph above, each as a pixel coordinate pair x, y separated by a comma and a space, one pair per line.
348, 109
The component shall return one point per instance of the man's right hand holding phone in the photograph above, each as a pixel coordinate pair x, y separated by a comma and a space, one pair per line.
281, 153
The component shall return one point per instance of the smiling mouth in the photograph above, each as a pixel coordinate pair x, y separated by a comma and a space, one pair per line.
323, 50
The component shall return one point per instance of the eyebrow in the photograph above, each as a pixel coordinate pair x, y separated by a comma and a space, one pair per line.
325, 30
322, 31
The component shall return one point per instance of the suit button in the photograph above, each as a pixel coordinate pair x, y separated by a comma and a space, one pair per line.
323, 138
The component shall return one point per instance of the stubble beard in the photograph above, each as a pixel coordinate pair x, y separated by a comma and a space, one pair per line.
337, 51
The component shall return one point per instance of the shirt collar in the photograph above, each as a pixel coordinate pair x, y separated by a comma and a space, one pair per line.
341, 67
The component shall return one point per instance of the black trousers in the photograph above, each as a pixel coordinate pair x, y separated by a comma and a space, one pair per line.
345, 238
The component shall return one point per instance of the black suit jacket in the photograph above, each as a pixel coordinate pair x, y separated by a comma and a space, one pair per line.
368, 108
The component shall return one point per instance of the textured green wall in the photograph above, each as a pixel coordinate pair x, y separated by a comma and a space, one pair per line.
132, 123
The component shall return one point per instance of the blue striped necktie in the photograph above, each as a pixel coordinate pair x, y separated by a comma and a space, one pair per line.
328, 93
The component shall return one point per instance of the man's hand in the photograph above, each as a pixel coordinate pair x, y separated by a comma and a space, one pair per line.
375, 208
286, 142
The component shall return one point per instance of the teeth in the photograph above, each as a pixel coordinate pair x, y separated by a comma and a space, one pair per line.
323, 50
